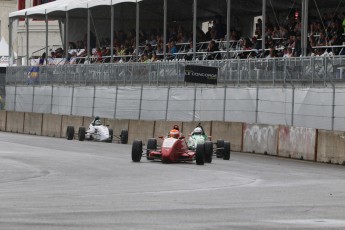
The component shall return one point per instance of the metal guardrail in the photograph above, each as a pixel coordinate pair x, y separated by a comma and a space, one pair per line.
231, 71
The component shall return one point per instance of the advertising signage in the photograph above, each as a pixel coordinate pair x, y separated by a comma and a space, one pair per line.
201, 74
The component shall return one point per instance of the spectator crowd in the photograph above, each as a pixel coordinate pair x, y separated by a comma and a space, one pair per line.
326, 36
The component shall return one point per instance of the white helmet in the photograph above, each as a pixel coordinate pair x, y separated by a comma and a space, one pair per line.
197, 130
98, 122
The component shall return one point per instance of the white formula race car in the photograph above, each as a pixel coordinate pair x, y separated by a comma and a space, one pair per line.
96, 132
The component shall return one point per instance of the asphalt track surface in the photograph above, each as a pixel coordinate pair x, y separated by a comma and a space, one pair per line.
51, 183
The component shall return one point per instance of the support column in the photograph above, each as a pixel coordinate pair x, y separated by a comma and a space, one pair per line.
112, 33
66, 35
88, 33
304, 39
263, 26
10, 53
195, 6
46, 20
228, 25
137, 33
165, 29
27, 38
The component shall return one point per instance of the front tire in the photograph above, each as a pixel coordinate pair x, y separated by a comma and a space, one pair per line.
208, 151
70, 132
124, 137
151, 145
111, 134
227, 150
81, 133
137, 150
200, 154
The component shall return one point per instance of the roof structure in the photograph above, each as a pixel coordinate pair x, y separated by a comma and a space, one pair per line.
53, 8
177, 9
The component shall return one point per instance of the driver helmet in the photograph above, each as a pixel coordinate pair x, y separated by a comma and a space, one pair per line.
176, 127
197, 131
98, 122
174, 133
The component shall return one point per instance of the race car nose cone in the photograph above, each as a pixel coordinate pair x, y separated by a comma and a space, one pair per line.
166, 155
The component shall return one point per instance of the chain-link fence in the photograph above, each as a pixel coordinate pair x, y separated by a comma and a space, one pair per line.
171, 73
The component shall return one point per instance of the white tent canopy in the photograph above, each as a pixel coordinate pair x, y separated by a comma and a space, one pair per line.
66, 5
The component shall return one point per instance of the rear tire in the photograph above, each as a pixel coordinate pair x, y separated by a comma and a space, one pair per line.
200, 154
208, 151
227, 150
111, 133
70, 132
137, 150
81, 134
220, 146
124, 137
151, 145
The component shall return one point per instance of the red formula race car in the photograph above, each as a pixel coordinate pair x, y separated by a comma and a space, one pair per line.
176, 150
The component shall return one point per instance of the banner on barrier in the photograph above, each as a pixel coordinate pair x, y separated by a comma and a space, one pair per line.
201, 74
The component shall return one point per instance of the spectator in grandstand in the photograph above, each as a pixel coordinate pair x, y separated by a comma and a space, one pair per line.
59, 53
144, 58
256, 44
213, 33
322, 41
148, 48
42, 58
272, 53
154, 57
298, 46
258, 28
288, 53
159, 48
72, 58
208, 34
98, 55
33, 75
172, 47
212, 50
219, 27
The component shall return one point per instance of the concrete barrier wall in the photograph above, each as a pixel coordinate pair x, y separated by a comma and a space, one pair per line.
260, 138
33, 123
142, 130
51, 125
228, 131
15, 122
297, 142
331, 147
3, 117
75, 121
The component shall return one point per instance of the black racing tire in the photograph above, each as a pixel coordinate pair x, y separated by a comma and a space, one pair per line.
70, 132
111, 134
151, 145
227, 150
208, 151
81, 133
220, 148
124, 137
200, 154
137, 150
